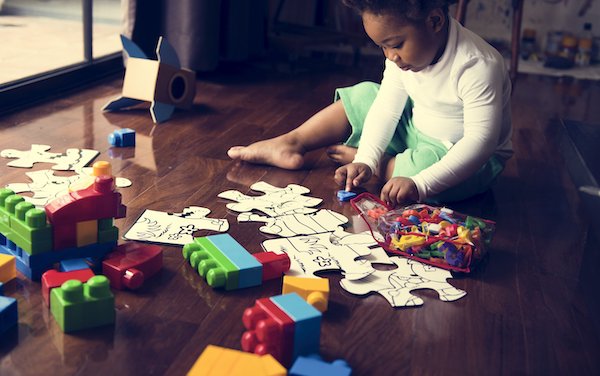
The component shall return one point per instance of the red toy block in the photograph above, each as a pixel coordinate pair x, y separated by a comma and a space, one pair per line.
97, 201
274, 265
64, 235
130, 264
53, 278
270, 331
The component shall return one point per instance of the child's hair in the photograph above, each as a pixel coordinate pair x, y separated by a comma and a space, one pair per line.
409, 10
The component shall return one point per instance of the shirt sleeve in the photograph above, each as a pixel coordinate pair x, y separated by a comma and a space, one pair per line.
480, 87
382, 118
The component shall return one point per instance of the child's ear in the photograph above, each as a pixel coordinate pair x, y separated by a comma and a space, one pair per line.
436, 19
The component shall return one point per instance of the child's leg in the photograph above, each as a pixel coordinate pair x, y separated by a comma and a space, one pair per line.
328, 126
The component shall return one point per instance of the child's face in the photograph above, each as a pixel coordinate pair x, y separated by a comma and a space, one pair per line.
411, 46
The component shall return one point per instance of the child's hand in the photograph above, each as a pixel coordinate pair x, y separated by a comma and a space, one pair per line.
399, 190
352, 175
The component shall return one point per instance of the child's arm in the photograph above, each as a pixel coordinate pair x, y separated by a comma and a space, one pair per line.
382, 119
482, 90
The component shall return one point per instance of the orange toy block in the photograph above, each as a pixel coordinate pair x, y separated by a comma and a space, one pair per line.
8, 268
217, 361
87, 232
314, 290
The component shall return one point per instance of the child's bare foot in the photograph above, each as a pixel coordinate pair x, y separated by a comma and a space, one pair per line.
283, 151
341, 154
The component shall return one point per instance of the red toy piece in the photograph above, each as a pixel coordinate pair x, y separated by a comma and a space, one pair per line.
130, 264
274, 265
270, 331
53, 278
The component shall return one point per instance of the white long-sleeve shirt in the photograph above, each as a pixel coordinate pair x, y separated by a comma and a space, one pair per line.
463, 100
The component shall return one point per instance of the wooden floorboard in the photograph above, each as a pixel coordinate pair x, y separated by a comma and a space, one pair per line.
526, 311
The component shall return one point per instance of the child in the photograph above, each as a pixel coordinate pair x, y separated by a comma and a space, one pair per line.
437, 128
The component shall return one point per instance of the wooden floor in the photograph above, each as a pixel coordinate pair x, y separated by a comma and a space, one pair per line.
527, 310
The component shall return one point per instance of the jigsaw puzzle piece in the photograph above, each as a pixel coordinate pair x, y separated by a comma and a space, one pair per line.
72, 160
321, 221
396, 285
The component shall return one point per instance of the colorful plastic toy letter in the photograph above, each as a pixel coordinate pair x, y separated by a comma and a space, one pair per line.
223, 262
315, 366
162, 82
53, 278
218, 361
314, 290
284, 326
8, 268
122, 138
343, 195
77, 306
131, 264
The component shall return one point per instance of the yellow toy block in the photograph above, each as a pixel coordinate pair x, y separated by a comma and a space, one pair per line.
314, 290
220, 361
99, 168
8, 268
87, 232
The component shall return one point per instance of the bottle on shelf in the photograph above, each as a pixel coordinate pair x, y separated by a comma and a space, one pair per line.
584, 46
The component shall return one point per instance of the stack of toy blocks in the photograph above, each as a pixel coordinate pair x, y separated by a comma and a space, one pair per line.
80, 226
284, 326
223, 262
53, 278
77, 306
218, 361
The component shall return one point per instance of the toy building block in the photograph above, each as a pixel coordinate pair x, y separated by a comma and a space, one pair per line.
250, 270
222, 261
131, 264
9, 315
162, 82
87, 232
218, 361
122, 137
211, 264
269, 331
343, 195
73, 265
274, 265
77, 306
315, 366
8, 268
23, 224
314, 290
307, 323
99, 168
53, 278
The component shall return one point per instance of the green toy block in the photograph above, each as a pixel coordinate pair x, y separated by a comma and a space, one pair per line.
77, 306
4, 215
212, 265
30, 231
106, 231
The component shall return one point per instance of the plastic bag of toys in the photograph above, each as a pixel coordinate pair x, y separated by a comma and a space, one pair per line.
433, 235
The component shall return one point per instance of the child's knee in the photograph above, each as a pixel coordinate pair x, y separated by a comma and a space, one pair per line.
412, 161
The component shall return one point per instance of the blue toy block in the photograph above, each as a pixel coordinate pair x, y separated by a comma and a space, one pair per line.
316, 366
343, 195
122, 137
33, 266
9, 315
72, 265
250, 269
307, 323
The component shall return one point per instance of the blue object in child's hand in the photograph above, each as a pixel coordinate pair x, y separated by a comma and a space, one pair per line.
343, 195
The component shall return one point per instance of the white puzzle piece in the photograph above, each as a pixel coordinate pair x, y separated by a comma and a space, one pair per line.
396, 285
174, 228
323, 220
324, 252
71, 160
45, 186
275, 201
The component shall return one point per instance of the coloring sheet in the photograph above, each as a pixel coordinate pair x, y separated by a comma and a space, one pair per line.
275, 201
327, 252
45, 186
396, 285
288, 225
174, 228
71, 160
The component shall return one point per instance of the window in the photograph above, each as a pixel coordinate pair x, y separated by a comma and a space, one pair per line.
53, 42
